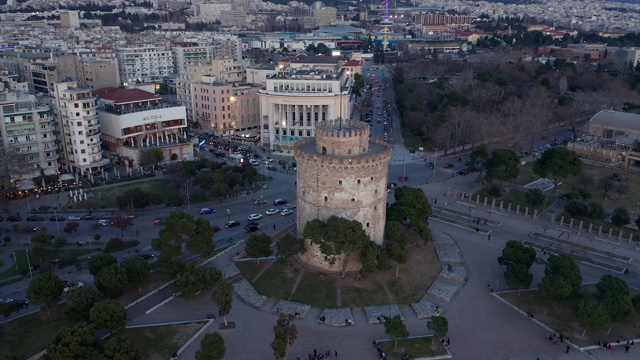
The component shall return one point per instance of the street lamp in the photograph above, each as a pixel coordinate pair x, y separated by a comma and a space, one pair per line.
26, 251
131, 206
637, 206
100, 196
186, 186
228, 215
55, 212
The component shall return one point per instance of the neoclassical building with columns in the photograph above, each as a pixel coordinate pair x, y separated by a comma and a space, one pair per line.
296, 99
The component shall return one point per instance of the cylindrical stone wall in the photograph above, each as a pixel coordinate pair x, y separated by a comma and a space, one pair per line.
353, 187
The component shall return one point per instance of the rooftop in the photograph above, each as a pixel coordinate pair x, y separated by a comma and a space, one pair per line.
617, 120
121, 96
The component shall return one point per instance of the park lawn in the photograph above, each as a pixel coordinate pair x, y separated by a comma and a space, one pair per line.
251, 269
318, 290
48, 255
361, 296
407, 292
131, 292
416, 347
277, 281
109, 194
160, 342
28, 335
562, 319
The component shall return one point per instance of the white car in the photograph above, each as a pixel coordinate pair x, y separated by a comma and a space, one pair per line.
272, 211
286, 212
104, 222
254, 162
73, 217
289, 206
255, 217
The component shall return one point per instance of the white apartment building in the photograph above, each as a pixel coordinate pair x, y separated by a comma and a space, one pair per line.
27, 136
144, 64
134, 120
78, 128
212, 12
189, 54
296, 99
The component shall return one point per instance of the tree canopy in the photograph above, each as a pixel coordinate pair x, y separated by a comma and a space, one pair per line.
223, 297
592, 314
614, 295
181, 228
80, 301
503, 165
516, 252
72, 342
259, 245
285, 334
119, 348
138, 270
192, 279
562, 279
111, 281
413, 205
101, 261
108, 314
211, 347
289, 246
558, 163
395, 327
45, 288
477, 157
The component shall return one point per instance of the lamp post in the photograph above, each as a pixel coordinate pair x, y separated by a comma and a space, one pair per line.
100, 197
55, 212
186, 186
28, 204
228, 215
637, 206
26, 251
131, 206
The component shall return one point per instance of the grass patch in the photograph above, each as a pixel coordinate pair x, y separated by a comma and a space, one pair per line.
48, 255
513, 196
317, 290
38, 328
160, 342
596, 225
131, 293
277, 281
251, 269
406, 293
109, 195
414, 347
562, 318
359, 296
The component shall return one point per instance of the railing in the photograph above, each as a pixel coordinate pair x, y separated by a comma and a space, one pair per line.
94, 126
95, 152
52, 157
21, 131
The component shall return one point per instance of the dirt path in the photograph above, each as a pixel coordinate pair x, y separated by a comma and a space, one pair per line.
295, 285
392, 298
263, 270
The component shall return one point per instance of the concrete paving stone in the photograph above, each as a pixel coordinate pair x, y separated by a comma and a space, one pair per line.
336, 316
448, 254
375, 313
290, 307
457, 272
229, 270
443, 290
424, 308
439, 237
248, 294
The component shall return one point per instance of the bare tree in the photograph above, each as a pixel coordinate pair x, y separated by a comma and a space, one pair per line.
606, 185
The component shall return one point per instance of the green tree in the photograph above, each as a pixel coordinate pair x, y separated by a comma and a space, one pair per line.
289, 246
223, 297
478, 156
562, 279
181, 228
59, 242
100, 262
517, 276
259, 245
614, 295
414, 205
71, 227
138, 270
211, 347
108, 314
285, 334
45, 288
373, 258
503, 165
72, 342
397, 241
80, 301
191, 280
592, 314
439, 325
516, 252
336, 236
620, 217
7, 308
558, 163
111, 281
119, 348
395, 327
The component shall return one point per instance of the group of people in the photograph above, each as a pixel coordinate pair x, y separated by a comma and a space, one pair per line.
608, 346
318, 356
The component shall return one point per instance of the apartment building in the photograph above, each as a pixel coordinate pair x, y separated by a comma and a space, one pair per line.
78, 128
297, 98
134, 120
28, 140
189, 54
224, 109
145, 63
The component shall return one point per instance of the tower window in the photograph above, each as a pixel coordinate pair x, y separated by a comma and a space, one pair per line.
376, 191
325, 199
324, 150
367, 224
372, 178
358, 181
339, 182
353, 199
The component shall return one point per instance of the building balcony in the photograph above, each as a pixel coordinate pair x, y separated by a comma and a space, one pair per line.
92, 126
94, 152
44, 119
113, 110
93, 132
33, 150
21, 131
55, 156
51, 147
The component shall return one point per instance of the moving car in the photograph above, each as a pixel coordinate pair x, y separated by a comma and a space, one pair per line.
231, 224
259, 201
254, 162
89, 217
104, 222
272, 168
289, 206
271, 211
430, 164
286, 212
71, 285
251, 228
14, 218
255, 217
216, 228
279, 202
57, 218
158, 221
35, 218
146, 256
391, 185
464, 171
403, 178
207, 211
447, 166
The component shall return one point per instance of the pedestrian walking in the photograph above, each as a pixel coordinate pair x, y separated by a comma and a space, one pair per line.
477, 230
435, 201
336, 354
626, 348
489, 237
448, 342
274, 227
561, 338
568, 348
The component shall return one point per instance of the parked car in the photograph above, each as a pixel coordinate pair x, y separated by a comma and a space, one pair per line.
207, 211
57, 218
391, 185
271, 211
272, 168
403, 178
231, 224
259, 201
286, 212
73, 217
279, 202
255, 217
216, 228
14, 218
464, 171
72, 285
254, 162
252, 228
430, 164
104, 222
447, 166
35, 218
158, 221
89, 217
146, 256
289, 206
